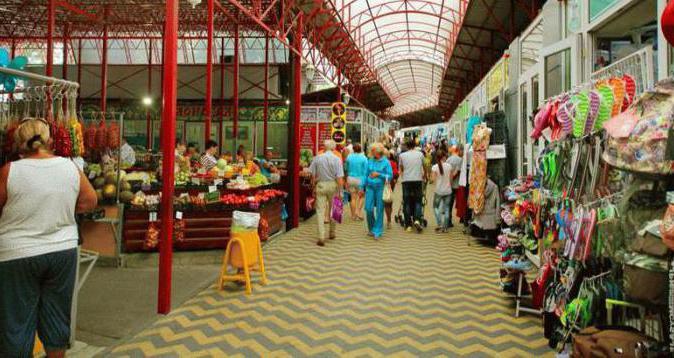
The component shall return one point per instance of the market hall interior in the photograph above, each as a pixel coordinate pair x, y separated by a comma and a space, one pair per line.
336, 178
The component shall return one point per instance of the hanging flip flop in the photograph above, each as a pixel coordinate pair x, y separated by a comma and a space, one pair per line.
565, 115
582, 105
605, 105
630, 91
593, 112
618, 85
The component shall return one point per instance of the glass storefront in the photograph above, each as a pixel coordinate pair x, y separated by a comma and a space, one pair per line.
557, 73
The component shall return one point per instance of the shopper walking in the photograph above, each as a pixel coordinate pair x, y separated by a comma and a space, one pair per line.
328, 177
455, 162
379, 174
356, 171
388, 206
39, 195
412, 176
441, 176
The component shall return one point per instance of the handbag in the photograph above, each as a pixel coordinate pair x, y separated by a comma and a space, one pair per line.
387, 197
337, 209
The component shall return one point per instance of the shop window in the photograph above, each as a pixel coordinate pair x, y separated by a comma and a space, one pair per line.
534, 92
557, 73
353, 132
530, 47
598, 7
524, 114
573, 10
277, 138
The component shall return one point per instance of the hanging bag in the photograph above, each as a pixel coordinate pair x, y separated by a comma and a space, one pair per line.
337, 209
388, 193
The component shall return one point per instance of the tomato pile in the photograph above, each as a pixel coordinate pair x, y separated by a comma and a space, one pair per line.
261, 197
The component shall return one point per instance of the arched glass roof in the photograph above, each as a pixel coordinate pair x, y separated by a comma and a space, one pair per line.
406, 42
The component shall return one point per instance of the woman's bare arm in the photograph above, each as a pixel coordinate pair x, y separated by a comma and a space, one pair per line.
4, 174
87, 199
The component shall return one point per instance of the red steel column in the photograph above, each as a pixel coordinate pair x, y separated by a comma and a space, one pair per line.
297, 105
235, 89
104, 67
208, 109
148, 115
266, 92
66, 39
51, 22
169, 104
79, 71
222, 92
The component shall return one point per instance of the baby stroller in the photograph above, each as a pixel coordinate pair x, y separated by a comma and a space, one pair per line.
400, 216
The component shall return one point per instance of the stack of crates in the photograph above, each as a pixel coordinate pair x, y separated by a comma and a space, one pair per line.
498, 169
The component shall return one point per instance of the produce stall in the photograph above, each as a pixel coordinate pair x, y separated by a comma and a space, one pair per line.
204, 201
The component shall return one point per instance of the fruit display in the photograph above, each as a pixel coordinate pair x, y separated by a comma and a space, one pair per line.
182, 178
105, 183
306, 156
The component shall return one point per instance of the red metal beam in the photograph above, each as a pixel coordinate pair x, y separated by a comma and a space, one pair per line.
148, 116
51, 22
297, 106
209, 73
235, 89
168, 135
265, 112
222, 91
104, 66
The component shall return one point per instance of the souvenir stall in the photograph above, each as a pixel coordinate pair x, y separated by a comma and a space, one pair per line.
586, 239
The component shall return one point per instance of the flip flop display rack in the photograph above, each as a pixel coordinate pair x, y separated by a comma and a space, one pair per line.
587, 227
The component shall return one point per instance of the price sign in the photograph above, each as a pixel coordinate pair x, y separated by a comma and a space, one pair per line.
196, 181
179, 215
153, 216
338, 123
212, 188
217, 182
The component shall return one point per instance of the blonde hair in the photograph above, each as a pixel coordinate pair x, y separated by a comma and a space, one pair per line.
379, 148
31, 136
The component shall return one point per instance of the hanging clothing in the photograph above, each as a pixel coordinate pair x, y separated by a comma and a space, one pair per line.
488, 218
478, 168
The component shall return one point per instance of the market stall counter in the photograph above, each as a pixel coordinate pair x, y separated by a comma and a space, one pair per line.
204, 202
204, 225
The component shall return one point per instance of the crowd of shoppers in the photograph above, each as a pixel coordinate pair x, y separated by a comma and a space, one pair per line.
367, 179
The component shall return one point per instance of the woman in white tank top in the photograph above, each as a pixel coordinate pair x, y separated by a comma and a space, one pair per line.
39, 196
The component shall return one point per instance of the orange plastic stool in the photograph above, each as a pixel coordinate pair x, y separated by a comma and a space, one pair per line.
244, 252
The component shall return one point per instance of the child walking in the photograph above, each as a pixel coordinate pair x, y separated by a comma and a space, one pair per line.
441, 176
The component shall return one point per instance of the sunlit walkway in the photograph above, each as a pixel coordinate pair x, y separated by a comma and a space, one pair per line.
407, 295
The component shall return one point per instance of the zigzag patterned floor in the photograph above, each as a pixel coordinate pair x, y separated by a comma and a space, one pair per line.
406, 295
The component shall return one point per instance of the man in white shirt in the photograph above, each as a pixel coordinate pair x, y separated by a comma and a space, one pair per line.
328, 175
455, 162
412, 175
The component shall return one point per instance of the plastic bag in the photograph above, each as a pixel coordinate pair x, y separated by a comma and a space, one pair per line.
310, 203
243, 220
388, 193
337, 209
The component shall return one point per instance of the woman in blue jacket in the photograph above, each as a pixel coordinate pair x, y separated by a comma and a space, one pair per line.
356, 171
379, 172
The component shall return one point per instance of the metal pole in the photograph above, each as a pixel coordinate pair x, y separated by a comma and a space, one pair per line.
51, 22
297, 106
79, 70
235, 94
12, 55
209, 74
64, 70
104, 67
266, 93
222, 92
169, 104
148, 116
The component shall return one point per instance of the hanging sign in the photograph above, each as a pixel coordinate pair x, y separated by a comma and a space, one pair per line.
338, 123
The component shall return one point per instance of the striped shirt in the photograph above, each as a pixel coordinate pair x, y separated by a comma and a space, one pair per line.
208, 161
